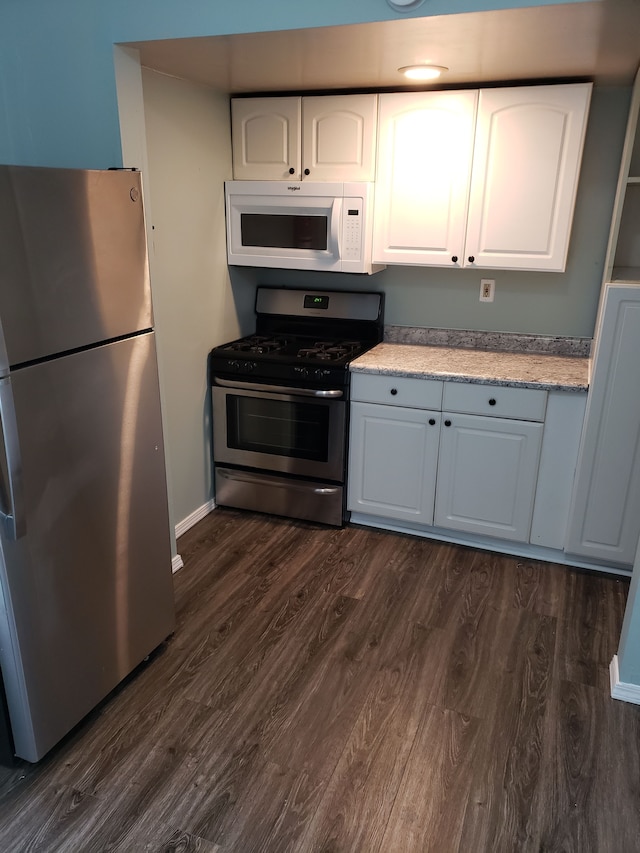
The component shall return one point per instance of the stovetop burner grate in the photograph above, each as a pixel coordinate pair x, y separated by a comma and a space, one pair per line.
256, 344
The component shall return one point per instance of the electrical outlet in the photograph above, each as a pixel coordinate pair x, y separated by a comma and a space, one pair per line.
487, 289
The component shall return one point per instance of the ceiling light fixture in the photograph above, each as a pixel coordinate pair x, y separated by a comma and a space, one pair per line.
422, 72
405, 5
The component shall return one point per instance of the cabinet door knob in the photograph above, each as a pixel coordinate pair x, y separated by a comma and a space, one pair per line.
307, 172
492, 401
447, 423
394, 391
292, 171
471, 259
432, 421
454, 259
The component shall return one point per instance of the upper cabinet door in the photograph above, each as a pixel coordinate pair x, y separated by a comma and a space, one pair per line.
425, 150
339, 137
266, 138
526, 164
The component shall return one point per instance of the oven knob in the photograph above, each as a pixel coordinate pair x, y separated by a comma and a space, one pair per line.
234, 365
322, 371
249, 366
301, 371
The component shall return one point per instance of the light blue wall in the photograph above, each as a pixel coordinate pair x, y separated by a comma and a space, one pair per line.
57, 90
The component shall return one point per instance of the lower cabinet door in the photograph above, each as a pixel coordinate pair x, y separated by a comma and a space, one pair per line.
487, 472
393, 455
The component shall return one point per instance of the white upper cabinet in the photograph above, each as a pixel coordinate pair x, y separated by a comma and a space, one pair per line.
339, 137
265, 138
323, 138
425, 148
494, 193
526, 165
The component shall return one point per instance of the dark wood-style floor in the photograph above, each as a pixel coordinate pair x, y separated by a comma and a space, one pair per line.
358, 691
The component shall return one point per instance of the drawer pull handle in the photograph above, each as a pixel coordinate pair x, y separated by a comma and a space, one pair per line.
432, 421
447, 423
492, 401
394, 391
292, 171
454, 259
471, 259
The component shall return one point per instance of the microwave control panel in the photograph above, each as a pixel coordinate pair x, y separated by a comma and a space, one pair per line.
353, 213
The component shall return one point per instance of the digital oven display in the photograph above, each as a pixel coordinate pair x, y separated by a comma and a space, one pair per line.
311, 301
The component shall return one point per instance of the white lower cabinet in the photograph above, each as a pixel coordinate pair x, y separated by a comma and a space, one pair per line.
393, 460
469, 472
487, 474
604, 521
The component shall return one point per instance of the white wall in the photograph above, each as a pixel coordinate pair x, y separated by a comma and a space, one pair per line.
195, 307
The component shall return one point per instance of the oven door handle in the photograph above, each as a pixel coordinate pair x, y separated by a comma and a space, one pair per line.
273, 483
278, 389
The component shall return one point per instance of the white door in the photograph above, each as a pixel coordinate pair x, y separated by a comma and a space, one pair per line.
526, 165
487, 470
265, 135
425, 147
392, 461
604, 523
339, 137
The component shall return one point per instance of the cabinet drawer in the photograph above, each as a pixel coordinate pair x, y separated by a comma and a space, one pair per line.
526, 404
397, 390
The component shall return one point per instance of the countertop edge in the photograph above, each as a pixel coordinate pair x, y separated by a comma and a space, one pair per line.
476, 380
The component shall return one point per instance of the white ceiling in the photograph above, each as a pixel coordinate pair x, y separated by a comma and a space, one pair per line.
597, 40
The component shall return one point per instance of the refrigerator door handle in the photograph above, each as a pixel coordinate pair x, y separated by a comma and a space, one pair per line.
4, 358
10, 465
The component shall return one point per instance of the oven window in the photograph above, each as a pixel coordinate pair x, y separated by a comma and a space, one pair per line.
281, 428
284, 231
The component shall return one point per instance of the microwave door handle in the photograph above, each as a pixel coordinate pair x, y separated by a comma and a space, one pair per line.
336, 227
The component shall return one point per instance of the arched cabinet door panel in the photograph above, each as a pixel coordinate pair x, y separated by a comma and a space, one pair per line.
425, 147
339, 137
526, 164
265, 138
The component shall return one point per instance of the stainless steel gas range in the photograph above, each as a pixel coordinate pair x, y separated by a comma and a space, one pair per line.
280, 402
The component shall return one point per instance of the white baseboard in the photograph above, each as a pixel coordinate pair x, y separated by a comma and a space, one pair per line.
620, 690
196, 516
185, 524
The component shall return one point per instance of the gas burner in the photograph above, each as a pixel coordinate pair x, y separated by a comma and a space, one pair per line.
257, 344
330, 350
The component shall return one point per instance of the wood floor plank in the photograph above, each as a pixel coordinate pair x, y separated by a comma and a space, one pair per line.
428, 810
590, 799
509, 764
354, 812
591, 619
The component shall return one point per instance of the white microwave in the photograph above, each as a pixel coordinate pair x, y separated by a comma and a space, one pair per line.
300, 225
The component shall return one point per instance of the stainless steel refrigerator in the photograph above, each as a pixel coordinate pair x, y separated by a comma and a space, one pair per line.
85, 560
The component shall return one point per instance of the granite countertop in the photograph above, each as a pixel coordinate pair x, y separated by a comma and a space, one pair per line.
484, 367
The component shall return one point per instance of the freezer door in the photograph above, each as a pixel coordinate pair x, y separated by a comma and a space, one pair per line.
73, 260
86, 589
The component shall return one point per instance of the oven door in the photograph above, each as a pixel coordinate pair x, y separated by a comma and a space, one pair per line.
274, 428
